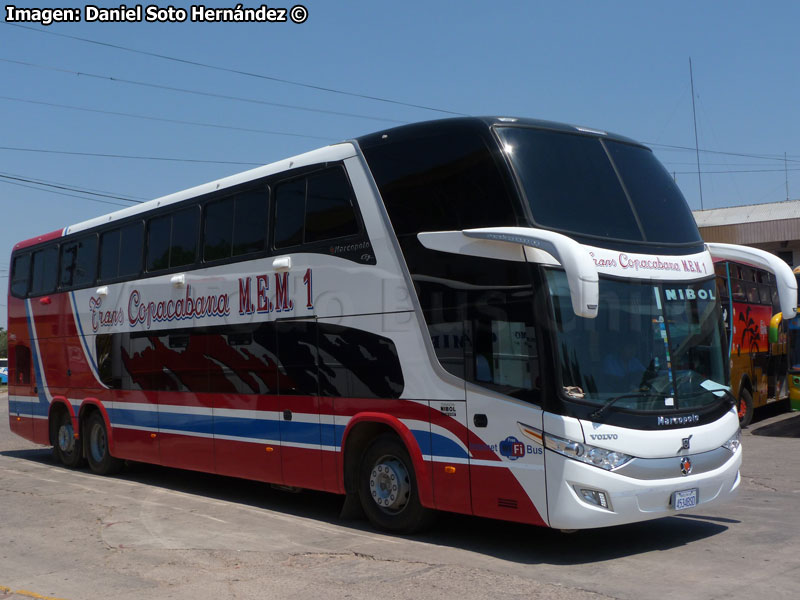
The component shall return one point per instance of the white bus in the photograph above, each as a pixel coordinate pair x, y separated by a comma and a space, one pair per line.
492, 316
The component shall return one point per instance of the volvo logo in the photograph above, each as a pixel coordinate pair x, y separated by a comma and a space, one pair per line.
604, 436
686, 465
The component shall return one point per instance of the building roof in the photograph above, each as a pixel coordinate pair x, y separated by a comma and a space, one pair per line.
751, 213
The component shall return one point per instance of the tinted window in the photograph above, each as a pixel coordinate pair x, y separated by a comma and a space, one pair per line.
218, 230
654, 194
329, 209
132, 243
20, 275
183, 249
45, 271
250, 222
172, 240
109, 255
569, 182
441, 182
289, 213
78, 262
158, 231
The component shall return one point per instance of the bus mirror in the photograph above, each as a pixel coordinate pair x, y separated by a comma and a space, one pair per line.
508, 243
787, 285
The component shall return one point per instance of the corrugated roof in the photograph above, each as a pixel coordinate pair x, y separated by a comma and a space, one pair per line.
751, 213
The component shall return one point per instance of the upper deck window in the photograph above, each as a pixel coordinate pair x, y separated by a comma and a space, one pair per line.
20, 275
172, 240
597, 187
78, 263
315, 208
45, 271
235, 226
121, 252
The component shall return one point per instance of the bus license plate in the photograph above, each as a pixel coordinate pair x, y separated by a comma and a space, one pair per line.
684, 499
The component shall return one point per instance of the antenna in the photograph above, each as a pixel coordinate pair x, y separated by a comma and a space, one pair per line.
696, 147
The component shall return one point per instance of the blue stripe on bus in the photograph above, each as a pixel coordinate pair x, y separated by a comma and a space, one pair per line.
247, 428
121, 417
446, 447
293, 432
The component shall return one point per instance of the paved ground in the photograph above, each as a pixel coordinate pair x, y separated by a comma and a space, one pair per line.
162, 533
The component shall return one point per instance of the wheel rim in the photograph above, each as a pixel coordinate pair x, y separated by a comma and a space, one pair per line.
390, 484
97, 443
66, 437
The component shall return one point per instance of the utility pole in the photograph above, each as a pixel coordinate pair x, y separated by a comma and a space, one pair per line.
786, 173
696, 146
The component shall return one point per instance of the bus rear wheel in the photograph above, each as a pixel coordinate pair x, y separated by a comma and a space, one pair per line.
387, 488
96, 447
66, 448
745, 407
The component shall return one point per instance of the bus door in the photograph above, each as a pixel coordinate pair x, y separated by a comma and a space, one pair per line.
299, 403
503, 395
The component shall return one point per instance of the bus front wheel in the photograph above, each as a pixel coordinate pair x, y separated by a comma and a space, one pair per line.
745, 408
387, 488
96, 446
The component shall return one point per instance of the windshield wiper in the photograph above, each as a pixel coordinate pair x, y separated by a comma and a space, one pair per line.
611, 401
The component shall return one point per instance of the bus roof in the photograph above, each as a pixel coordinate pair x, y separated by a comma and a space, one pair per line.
335, 152
426, 127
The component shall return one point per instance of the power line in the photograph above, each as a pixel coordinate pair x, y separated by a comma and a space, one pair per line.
132, 157
238, 71
68, 188
39, 189
165, 120
198, 92
742, 154
127, 197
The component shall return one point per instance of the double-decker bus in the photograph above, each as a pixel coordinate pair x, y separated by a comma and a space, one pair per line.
501, 317
757, 336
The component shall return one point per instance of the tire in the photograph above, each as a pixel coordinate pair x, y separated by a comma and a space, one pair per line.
387, 488
66, 449
95, 446
745, 407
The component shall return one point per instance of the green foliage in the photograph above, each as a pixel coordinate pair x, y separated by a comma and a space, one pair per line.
3, 343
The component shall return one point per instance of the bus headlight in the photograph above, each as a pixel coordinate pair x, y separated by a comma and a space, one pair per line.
599, 457
734, 443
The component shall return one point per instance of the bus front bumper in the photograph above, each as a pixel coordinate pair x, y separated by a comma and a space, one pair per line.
627, 499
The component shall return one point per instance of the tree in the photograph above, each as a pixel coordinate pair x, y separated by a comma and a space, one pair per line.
3, 343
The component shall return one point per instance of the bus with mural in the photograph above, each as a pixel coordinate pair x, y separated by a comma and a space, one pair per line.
757, 336
500, 317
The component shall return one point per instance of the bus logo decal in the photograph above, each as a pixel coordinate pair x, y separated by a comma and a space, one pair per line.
686, 465
512, 448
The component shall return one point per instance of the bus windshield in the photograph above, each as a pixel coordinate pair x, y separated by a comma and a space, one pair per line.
654, 346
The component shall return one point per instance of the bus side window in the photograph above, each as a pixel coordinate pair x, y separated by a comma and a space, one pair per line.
290, 199
109, 255
752, 292
172, 240
78, 263
20, 275
22, 364
329, 207
45, 271
737, 290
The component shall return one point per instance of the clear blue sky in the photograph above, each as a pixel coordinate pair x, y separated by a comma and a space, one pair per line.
620, 66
